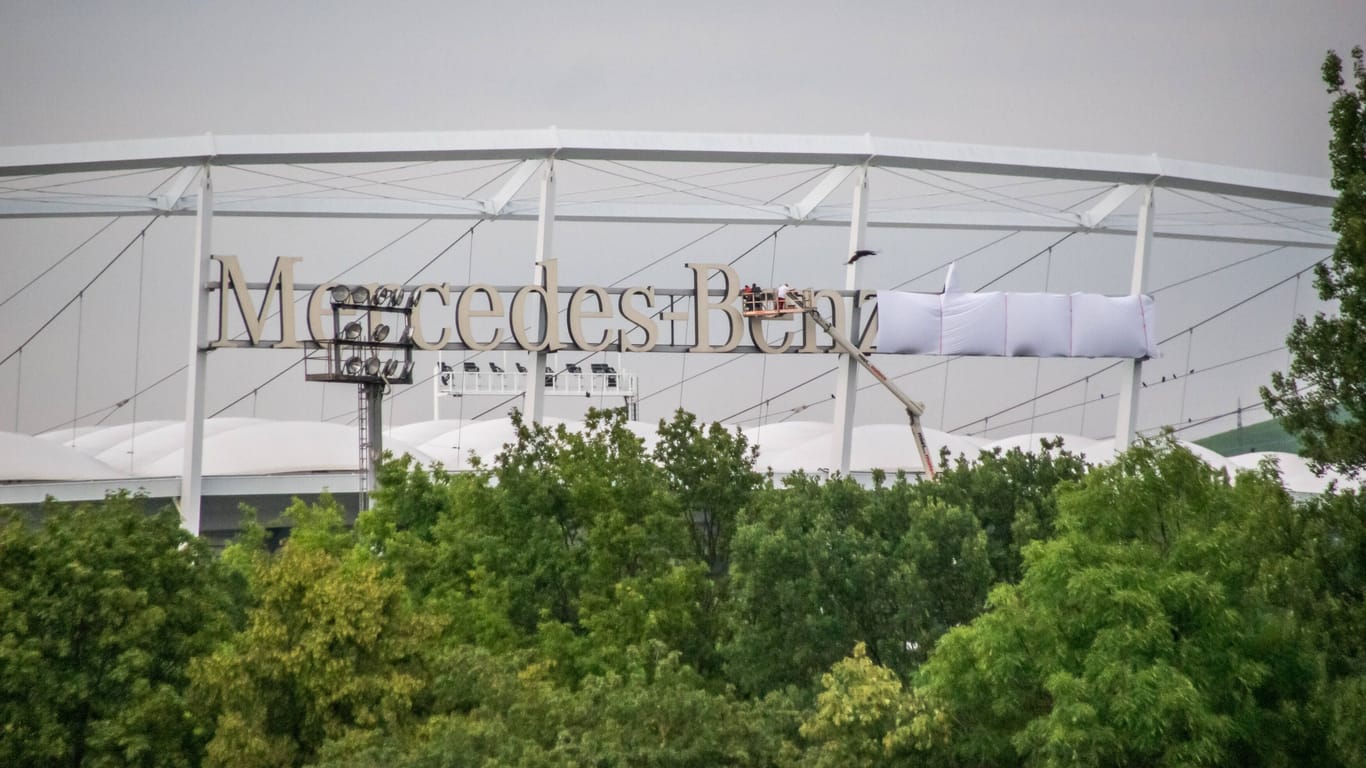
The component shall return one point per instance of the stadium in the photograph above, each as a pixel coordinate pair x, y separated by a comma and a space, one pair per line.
167, 329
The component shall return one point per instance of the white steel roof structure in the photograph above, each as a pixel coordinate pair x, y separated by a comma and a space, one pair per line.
304, 458
894, 187
843, 153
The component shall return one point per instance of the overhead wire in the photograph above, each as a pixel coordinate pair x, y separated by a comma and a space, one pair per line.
80, 293
1018, 266
658, 312
7, 187
1108, 367
945, 361
1247, 212
624, 278
1172, 379
596, 192
1187, 329
288, 181
683, 378
990, 200
119, 404
371, 255
60, 261
374, 253
926, 273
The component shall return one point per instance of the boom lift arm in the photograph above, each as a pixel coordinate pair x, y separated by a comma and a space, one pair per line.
914, 408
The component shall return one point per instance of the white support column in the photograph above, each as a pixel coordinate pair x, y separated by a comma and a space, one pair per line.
436, 390
191, 475
533, 405
1128, 394
846, 374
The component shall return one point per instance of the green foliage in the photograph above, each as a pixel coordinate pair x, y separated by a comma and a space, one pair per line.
1314, 564
712, 473
1143, 634
1322, 399
102, 606
330, 647
653, 711
818, 568
409, 498
578, 544
1011, 495
579, 600
863, 717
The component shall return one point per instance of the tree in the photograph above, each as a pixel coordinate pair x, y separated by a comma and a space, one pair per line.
1314, 557
712, 472
1322, 399
1147, 632
569, 541
102, 607
1012, 496
820, 567
864, 717
654, 711
331, 647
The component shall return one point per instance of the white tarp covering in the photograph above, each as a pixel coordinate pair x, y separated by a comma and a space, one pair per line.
1038, 325
1016, 324
918, 321
973, 324
1112, 326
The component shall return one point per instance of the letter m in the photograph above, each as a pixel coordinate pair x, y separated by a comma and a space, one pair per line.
233, 287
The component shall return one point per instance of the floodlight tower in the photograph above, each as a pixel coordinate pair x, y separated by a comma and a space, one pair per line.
363, 353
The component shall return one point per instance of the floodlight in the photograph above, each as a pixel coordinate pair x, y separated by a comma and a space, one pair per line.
372, 366
360, 295
352, 365
390, 368
352, 331
397, 297
340, 294
379, 332
384, 295
407, 369
406, 337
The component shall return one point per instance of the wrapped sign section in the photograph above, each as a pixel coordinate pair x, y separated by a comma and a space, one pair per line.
1016, 324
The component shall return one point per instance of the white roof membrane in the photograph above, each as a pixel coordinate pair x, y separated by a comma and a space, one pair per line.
263, 447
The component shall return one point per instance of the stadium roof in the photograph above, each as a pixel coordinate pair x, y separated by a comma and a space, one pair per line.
260, 456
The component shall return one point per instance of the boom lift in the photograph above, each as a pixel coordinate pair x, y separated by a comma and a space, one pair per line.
794, 302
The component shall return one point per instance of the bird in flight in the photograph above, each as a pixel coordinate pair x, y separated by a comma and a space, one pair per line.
860, 254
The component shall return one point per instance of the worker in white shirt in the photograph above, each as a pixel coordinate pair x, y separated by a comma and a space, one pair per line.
782, 295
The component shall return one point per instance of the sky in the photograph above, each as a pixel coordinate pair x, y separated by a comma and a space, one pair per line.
1225, 82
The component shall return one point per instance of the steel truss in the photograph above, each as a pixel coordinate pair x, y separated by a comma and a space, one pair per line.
1261, 208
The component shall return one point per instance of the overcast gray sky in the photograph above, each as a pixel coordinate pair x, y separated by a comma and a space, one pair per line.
1231, 82
1227, 81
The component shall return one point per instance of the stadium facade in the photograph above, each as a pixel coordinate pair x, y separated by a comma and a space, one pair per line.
549, 188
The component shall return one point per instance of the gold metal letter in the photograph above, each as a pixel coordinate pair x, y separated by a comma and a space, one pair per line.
704, 306
548, 290
577, 313
867, 343
463, 313
837, 319
281, 282
641, 321
443, 291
